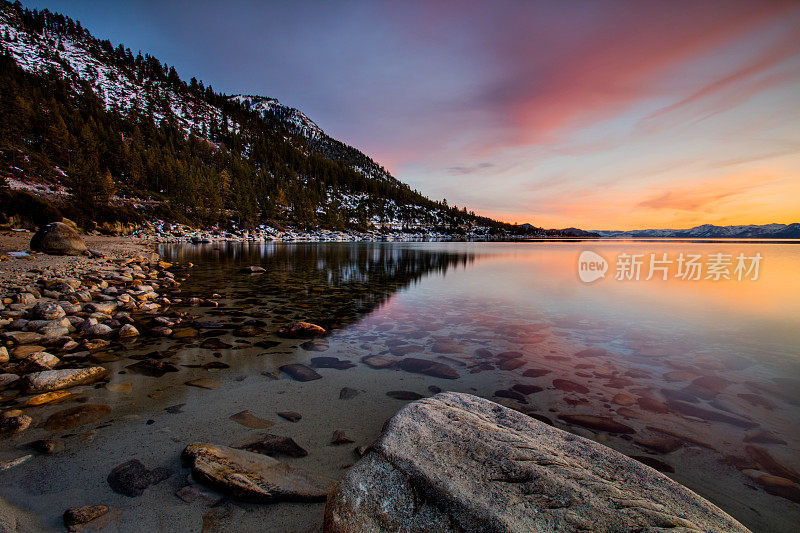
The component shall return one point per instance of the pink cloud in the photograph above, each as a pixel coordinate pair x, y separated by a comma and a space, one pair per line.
621, 59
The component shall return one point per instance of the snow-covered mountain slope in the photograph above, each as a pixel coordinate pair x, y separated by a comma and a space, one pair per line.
291, 117
79, 59
765, 231
82, 60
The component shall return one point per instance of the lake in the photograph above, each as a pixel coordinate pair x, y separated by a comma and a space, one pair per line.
703, 375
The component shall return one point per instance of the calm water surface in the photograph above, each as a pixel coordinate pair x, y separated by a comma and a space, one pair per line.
705, 374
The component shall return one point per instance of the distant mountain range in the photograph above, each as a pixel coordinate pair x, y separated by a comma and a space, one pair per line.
751, 231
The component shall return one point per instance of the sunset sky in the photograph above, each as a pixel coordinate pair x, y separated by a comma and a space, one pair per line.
595, 114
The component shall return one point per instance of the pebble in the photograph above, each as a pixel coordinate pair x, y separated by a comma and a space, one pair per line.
79, 516
248, 419
204, 383
404, 395
76, 416
131, 478
291, 416
300, 372
272, 445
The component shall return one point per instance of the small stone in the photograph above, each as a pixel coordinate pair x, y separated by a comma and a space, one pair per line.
14, 421
51, 380
347, 393
512, 395
300, 372
11, 463
78, 516
339, 437
291, 416
48, 311
205, 383
252, 270
569, 386
272, 445
152, 368
185, 333
301, 330
127, 331
599, 423
658, 443
47, 397
253, 477
120, 388
623, 399
592, 352
248, 419
214, 343
379, 361
131, 478
76, 416
526, 389
429, 368
404, 395
47, 446
331, 362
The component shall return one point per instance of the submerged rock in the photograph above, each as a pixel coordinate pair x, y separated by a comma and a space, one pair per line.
331, 362
567, 385
76, 416
269, 444
252, 476
379, 361
78, 516
152, 368
248, 419
14, 421
347, 393
51, 380
499, 470
301, 330
131, 478
291, 416
598, 423
429, 368
404, 395
253, 269
300, 372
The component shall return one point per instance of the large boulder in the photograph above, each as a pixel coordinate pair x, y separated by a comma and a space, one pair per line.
58, 238
456, 462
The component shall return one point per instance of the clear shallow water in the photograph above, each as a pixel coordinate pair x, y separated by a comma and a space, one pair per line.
499, 316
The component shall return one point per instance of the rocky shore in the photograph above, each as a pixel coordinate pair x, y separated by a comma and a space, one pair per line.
58, 312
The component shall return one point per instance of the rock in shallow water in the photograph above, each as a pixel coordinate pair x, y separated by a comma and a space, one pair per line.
300, 372
301, 330
51, 380
78, 516
499, 470
429, 368
76, 416
131, 478
253, 477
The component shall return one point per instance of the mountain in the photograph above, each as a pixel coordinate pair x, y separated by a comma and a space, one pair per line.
766, 231
97, 132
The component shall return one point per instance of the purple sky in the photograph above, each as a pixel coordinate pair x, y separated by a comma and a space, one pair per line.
592, 114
